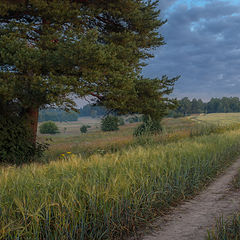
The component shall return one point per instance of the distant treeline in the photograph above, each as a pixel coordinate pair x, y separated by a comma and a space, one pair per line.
185, 107
58, 115
215, 105
92, 111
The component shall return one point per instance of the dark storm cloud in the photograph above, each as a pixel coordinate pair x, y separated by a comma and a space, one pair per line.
203, 46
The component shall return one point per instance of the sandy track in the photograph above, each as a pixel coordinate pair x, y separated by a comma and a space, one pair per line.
192, 219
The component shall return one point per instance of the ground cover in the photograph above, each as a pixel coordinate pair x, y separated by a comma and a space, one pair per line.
229, 228
106, 197
96, 141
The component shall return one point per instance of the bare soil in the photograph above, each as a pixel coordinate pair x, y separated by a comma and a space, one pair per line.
193, 218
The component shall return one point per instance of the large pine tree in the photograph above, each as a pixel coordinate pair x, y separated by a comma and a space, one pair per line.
50, 50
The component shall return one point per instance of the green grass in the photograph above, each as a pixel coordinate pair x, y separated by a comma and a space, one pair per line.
96, 141
226, 229
106, 197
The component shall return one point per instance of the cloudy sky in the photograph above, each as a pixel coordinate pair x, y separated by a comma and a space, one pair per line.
202, 45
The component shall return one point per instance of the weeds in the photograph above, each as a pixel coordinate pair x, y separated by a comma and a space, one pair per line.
226, 229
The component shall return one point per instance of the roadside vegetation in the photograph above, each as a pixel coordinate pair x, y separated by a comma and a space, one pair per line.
227, 229
111, 195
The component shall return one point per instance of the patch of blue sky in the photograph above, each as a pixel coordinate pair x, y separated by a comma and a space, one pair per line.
193, 3
187, 3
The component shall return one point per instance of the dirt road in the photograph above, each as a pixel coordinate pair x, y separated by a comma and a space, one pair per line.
191, 220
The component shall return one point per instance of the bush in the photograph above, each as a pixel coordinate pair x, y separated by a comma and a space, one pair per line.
16, 145
109, 123
49, 128
83, 129
149, 126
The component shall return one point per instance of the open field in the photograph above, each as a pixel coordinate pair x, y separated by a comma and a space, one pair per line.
111, 195
96, 140
108, 196
217, 118
73, 128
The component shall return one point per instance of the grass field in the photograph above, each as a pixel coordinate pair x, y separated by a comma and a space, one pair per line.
217, 118
96, 141
111, 195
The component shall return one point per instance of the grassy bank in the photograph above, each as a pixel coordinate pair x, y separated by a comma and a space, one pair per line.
227, 229
106, 197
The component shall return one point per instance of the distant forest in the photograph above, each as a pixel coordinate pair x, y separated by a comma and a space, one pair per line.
58, 115
215, 105
185, 107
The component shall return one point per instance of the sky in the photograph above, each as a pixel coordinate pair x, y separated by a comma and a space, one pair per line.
202, 45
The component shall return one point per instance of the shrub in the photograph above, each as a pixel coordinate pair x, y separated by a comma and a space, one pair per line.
149, 126
49, 128
16, 145
83, 129
109, 123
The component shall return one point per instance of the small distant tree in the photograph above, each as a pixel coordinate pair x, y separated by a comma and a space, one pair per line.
83, 129
109, 123
149, 126
49, 128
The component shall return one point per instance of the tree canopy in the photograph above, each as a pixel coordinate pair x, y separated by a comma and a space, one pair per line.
52, 49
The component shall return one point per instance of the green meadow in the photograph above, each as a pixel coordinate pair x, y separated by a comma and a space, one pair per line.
108, 185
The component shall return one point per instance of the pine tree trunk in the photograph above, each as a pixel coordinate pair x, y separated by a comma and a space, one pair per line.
32, 118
